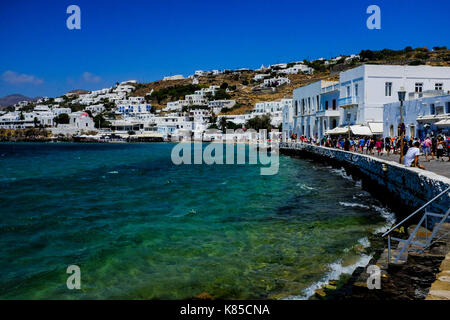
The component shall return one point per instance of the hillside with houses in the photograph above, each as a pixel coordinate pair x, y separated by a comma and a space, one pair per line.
185, 106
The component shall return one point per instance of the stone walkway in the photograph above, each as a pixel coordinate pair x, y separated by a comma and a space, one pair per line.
440, 289
437, 166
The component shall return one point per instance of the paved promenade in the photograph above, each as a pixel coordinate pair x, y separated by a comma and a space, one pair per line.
437, 166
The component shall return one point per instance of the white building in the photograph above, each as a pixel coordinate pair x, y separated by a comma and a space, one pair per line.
296, 69
306, 106
361, 94
17, 120
196, 99
201, 73
275, 82
174, 77
133, 105
365, 89
57, 111
217, 105
79, 123
288, 121
272, 108
429, 115
260, 76
95, 109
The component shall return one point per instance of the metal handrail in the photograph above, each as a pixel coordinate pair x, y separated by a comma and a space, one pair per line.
415, 212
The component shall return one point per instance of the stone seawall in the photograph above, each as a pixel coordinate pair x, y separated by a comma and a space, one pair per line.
404, 189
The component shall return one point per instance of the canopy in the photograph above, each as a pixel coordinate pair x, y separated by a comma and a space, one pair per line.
337, 130
360, 130
376, 127
443, 123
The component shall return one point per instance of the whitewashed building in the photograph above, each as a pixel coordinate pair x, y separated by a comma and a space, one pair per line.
95, 108
295, 69
275, 82
366, 89
217, 105
429, 115
174, 77
310, 119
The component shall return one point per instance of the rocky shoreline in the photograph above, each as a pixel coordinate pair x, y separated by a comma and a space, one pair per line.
409, 281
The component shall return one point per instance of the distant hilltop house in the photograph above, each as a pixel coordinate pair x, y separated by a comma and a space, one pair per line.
260, 76
201, 73
278, 65
174, 77
272, 108
275, 82
198, 98
133, 105
296, 69
217, 105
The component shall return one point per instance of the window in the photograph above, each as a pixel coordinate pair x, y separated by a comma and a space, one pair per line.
412, 131
438, 86
432, 109
348, 117
326, 105
419, 87
447, 107
356, 89
388, 89
348, 91
334, 104
439, 110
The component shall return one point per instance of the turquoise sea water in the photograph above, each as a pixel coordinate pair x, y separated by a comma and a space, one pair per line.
141, 227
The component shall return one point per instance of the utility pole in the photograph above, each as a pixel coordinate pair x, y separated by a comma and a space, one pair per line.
401, 97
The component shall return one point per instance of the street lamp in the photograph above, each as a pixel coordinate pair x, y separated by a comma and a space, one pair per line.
401, 98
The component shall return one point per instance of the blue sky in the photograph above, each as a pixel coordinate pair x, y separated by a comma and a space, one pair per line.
145, 40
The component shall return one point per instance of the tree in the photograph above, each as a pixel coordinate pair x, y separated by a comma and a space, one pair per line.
213, 118
259, 122
224, 85
101, 122
221, 94
223, 124
408, 49
62, 118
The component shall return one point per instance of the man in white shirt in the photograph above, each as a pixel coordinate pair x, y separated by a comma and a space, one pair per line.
412, 157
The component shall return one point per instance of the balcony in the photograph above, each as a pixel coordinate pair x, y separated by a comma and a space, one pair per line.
334, 87
328, 113
348, 102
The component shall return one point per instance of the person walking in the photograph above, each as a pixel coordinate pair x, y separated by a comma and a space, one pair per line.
371, 146
379, 146
440, 148
346, 144
361, 144
387, 145
426, 147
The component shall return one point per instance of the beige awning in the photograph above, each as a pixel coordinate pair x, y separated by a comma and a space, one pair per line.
360, 130
443, 123
337, 130
376, 127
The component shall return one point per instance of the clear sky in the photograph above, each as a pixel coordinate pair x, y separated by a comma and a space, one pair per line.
146, 40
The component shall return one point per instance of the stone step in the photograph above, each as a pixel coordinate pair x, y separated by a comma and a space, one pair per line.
440, 289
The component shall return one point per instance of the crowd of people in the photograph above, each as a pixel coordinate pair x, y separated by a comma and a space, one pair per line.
432, 147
